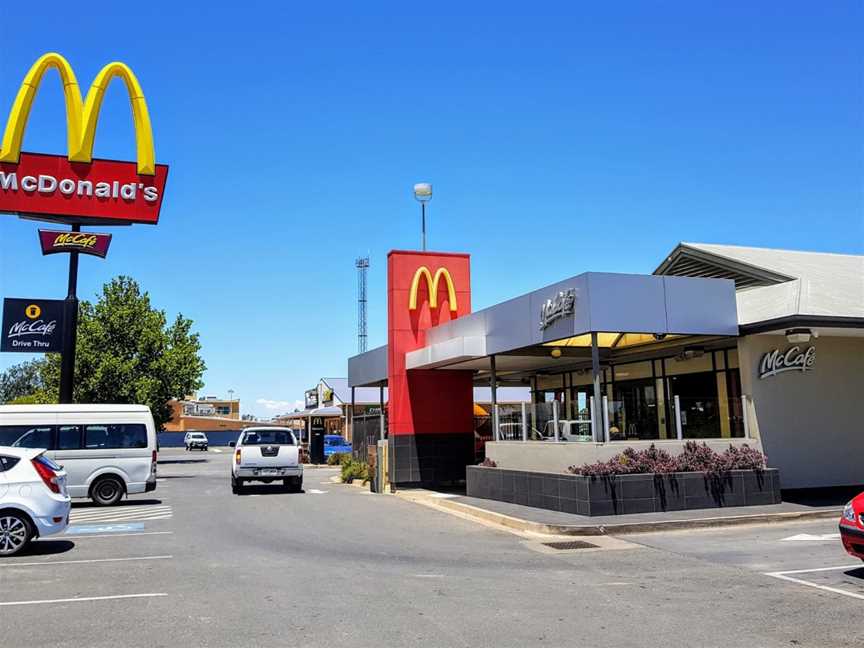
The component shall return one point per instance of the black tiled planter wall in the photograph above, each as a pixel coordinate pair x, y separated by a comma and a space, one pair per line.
622, 494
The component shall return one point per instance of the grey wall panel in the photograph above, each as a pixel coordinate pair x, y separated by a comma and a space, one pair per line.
508, 325
368, 368
701, 306
472, 325
809, 423
625, 303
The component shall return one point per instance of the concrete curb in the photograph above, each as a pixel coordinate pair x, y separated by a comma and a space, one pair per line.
518, 524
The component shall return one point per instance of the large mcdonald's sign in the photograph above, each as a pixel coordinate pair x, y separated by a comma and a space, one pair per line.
78, 188
432, 285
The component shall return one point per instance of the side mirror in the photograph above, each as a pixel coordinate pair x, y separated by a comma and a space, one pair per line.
232, 444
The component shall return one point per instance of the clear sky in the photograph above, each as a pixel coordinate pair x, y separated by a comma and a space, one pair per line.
559, 138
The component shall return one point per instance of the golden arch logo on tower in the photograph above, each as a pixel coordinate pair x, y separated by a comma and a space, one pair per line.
81, 115
432, 285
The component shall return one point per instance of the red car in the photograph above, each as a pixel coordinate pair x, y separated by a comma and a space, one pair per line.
852, 527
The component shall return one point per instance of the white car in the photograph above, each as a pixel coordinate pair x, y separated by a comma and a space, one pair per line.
108, 451
196, 440
266, 454
33, 498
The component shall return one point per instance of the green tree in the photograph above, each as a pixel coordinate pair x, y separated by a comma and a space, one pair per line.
127, 353
22, 381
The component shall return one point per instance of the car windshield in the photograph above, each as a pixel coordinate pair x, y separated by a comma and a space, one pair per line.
335, 441
268, 437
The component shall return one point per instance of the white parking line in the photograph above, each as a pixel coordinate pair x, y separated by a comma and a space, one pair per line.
784, 575
121, 514
82, 562
81, 599
217, 450
121, 535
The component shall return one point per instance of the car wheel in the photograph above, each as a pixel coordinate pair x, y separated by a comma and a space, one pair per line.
15, 533
107, 491
236, 485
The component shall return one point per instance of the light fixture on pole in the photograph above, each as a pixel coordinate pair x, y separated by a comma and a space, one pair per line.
423, 194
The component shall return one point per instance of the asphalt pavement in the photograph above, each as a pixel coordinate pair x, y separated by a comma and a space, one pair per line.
193, 565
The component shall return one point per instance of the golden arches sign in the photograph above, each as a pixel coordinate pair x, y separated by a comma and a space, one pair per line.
432, 285
81, 116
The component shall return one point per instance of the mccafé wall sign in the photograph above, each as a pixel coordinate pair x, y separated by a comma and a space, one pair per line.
795, 358
76, 187
53, 241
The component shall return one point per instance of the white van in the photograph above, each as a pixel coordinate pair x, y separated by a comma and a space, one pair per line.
106, 450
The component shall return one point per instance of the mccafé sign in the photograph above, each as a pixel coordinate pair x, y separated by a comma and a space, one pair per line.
32, 325
84, 242
77, 187
432, 286
793, 359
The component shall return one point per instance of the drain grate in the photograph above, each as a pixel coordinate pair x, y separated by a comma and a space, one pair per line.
573, 544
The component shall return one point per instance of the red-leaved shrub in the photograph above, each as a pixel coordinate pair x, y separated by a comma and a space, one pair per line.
694, 458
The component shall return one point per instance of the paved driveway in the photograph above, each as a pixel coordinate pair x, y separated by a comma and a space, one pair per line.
194, 565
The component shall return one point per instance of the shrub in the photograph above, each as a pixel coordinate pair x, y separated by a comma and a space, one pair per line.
338, 458
694, 458
352, 470
743, 458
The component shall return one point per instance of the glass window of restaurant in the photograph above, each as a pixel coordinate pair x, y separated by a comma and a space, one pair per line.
641, 397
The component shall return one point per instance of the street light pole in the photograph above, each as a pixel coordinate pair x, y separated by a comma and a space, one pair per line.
423, 238
423, 194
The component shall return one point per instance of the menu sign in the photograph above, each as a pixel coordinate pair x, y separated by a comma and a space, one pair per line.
32, 325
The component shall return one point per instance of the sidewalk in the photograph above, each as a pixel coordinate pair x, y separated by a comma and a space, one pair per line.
526, 518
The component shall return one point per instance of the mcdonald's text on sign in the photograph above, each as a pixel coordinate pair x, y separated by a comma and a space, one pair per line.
53, 242
76, 187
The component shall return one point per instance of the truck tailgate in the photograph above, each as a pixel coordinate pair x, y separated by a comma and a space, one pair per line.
269, 456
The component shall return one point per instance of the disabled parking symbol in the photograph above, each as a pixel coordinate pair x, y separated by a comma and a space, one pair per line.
104, 528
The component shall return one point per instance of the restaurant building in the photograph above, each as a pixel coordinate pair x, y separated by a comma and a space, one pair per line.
724, 344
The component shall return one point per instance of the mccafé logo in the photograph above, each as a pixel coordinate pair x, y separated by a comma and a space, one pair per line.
53, 242
794, 359
81, 115
75, 240
432, 286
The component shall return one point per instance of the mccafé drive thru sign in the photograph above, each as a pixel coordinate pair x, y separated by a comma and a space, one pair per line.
32, 325
76, 187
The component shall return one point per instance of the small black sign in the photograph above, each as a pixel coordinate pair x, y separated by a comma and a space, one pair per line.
312, 398
32, 325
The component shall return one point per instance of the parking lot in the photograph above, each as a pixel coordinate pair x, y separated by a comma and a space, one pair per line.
192, 564
806, 554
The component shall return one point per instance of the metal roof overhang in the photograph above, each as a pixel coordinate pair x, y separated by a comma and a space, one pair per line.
647, 308
625, 310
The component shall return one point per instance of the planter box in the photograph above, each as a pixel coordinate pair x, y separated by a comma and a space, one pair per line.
623, 494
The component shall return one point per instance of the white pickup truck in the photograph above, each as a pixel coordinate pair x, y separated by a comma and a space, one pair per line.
266, 454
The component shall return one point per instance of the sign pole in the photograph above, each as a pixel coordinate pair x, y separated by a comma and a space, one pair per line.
70, 330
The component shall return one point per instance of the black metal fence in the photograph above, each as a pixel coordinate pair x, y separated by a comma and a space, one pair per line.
366, 431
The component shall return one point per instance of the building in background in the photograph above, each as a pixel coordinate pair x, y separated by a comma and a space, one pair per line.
205, 414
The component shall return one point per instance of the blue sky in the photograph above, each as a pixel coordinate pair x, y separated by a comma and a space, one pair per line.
569, 138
